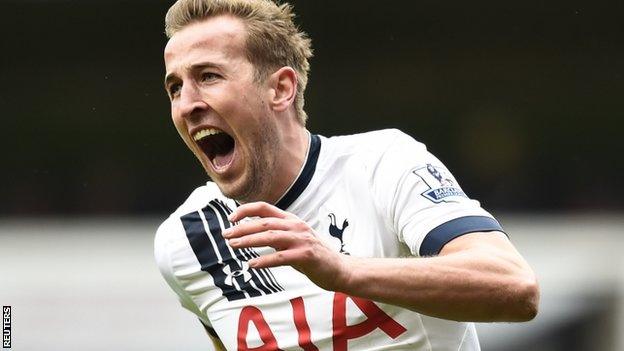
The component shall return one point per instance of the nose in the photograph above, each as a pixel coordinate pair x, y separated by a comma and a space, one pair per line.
191, 103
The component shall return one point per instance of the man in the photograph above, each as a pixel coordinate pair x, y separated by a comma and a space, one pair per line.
361, 242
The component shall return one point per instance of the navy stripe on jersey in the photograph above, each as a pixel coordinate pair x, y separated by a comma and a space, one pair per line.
260, 282
306, 174
267, 272
439, 236
264, 273
206, 254
228, 267
235, 271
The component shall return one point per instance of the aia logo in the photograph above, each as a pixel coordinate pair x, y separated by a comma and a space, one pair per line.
337, 232
375, 319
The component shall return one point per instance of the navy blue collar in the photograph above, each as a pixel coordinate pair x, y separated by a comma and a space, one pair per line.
306, 174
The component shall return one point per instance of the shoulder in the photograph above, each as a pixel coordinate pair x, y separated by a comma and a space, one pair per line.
171, 229
377, 141
371, 149
199, 198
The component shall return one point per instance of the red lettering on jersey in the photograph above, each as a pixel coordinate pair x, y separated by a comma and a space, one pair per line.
377, 318
253, 314
303, 329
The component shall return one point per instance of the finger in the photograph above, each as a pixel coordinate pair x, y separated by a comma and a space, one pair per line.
277, 239
280, 258
257, 226
257, 209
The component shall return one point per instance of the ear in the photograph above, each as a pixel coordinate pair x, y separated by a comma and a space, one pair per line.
283, 89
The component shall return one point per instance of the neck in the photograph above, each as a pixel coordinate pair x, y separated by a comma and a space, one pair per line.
288, 163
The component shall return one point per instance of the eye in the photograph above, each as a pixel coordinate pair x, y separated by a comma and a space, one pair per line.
209, 76
174, 89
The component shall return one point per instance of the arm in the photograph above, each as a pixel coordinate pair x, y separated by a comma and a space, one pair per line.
476, 277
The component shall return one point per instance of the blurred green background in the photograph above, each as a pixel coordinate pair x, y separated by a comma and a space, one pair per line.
522, 100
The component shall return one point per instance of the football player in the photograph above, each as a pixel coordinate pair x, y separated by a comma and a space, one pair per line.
299, 241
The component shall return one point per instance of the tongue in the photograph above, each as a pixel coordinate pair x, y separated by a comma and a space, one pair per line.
223, 159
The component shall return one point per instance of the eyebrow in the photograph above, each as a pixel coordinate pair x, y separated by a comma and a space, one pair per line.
194, 67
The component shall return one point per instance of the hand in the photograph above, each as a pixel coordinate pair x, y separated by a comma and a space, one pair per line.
295, 242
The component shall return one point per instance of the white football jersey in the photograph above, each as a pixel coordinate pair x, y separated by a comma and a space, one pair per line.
378, 194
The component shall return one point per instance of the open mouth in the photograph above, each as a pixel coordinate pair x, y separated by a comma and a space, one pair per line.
217, 145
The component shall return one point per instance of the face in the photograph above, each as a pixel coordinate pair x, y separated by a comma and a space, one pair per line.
218, 108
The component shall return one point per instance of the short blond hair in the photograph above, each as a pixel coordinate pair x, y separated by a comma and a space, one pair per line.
273, 40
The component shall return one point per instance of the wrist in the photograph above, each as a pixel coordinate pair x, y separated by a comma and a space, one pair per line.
348, 274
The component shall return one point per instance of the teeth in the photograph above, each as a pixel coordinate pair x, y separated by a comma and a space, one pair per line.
206, 132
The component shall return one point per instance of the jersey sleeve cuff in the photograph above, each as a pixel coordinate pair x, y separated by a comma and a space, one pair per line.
439, 236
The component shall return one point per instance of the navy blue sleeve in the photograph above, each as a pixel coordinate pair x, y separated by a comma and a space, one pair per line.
439, 236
